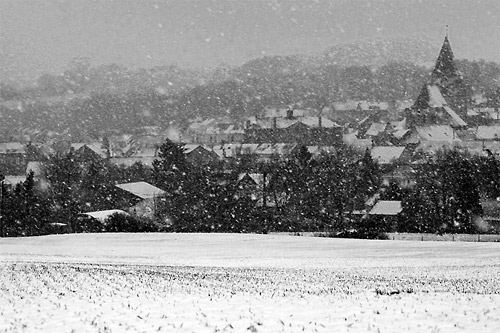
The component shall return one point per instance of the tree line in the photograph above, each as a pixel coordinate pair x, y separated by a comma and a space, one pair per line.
296, 193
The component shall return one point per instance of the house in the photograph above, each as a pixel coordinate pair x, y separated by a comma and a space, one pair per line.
432, 108
252, 185
317, 151
147, 196
12, 158
87, 152
386, 208
488, 133
385, 214
490, 221
307, 130
213, 131
351, 139
142, 190
387, 154
376, 129
268, 151
103, 215
10, 182
434, 133
199, 155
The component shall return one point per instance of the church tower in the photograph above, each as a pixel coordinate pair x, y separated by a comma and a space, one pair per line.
445, 69
448, 78
443, 100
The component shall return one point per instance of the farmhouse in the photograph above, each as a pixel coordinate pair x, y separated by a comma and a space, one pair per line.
146, 196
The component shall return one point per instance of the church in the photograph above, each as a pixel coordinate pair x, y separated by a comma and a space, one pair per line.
443, 100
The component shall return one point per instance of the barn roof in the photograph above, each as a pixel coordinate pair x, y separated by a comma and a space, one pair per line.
142, 190
386, 207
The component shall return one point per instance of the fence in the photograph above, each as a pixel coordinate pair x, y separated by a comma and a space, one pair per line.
414, 236
445, 237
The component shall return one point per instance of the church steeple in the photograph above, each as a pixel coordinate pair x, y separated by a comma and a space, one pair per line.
445, 69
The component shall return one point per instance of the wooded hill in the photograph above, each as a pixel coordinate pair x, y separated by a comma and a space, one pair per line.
87, 99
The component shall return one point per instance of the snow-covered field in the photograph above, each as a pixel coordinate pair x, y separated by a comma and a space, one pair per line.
238, 283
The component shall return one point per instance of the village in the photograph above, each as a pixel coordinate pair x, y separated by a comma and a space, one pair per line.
398, 135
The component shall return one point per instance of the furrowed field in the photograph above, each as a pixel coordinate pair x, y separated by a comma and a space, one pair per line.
238, 283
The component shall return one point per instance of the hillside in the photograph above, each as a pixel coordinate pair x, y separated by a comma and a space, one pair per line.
380, 52
116, 99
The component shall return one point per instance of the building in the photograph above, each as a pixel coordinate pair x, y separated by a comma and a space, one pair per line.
307, 130
442, 101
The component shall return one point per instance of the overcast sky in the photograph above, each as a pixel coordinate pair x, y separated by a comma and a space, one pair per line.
42, 36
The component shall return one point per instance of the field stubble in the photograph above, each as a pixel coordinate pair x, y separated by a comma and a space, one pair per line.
115, 298
420, 288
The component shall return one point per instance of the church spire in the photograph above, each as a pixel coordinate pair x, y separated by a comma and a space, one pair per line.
445, 69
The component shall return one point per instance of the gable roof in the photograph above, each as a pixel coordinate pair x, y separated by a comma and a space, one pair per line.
386, 207
190, 147
488, 133
386, 154
95, 147
103, 215
437, 133
142, 190
431, 97
375, 129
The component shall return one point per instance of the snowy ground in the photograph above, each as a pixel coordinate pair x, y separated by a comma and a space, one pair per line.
238, 283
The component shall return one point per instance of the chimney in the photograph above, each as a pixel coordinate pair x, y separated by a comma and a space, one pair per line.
289, 113
275, 125
320, 123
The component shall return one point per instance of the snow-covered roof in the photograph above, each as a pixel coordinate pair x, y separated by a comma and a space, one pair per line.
103, 215
36, 167
400, 133
488, 133
375, 129
12, 147
457, 121
257, 178
386, 207
277, 148
386, 154
282, 112
352, 140
401, 105
315, 122
14, 180
190, 147
142, 189
437, 133
96, 147
436, 99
